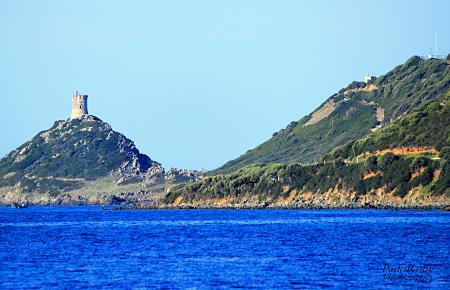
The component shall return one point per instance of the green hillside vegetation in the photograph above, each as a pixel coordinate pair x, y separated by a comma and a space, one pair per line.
426, 126
275, 181
354, 115
69, 152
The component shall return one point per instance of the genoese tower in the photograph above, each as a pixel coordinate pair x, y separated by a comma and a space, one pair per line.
79, 106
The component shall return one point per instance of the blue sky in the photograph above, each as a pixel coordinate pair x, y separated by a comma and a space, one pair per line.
197, 83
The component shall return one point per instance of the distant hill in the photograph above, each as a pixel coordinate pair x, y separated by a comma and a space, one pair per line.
70, 151
405, 164
352, 113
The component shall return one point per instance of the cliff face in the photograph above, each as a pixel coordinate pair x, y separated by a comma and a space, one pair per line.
350, 114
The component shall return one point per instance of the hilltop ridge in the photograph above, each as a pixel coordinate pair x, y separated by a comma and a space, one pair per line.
351, 113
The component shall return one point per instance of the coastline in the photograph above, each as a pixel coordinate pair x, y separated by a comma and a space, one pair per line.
157, 200
442, 207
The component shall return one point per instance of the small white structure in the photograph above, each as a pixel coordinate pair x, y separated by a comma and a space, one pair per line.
368, 79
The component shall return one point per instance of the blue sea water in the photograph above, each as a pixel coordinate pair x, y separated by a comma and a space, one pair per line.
79, 247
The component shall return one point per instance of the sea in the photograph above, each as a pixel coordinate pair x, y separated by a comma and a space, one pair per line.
106, 248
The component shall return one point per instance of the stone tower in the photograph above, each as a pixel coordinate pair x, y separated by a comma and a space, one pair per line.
79, 106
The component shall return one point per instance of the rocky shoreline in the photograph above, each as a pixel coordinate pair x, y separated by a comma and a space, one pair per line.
445, 207
157, 206
156, 199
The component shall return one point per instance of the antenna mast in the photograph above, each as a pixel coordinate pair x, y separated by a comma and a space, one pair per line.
436, 44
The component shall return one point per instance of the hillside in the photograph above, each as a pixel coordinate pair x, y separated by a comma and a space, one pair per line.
351, 113
426, 127
375, 179
85, 148
81, 161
